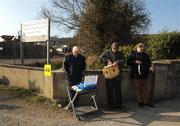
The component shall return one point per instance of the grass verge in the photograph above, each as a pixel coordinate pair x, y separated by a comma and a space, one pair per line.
29, 96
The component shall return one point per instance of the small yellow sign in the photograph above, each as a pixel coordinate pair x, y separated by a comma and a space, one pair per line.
47, 70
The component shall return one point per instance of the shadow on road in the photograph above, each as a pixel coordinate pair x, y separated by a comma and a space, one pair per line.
165, 111
8, 107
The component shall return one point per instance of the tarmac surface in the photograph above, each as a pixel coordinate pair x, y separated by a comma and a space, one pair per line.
15, 111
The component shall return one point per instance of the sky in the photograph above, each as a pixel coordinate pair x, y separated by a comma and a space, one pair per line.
164, 14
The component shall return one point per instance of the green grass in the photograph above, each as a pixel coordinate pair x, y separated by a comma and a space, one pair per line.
29, 96
14, 91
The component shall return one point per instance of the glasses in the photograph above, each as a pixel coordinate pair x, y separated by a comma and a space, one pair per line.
142, 49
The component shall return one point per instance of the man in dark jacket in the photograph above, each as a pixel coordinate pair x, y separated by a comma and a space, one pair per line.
113, 86
74, 67
140, 66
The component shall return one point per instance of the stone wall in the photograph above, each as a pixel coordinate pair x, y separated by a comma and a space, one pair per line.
28, 78
167, 79
163, 81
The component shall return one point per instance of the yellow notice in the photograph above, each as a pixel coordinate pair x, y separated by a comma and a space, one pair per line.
47, 70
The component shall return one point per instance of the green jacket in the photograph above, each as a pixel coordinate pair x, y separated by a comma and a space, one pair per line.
109, 55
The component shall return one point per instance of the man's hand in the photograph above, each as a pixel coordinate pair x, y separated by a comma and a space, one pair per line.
115, 63
109, 62
138, 62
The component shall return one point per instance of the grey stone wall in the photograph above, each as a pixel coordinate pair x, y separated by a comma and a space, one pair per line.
163, 81
167, 79
60, 85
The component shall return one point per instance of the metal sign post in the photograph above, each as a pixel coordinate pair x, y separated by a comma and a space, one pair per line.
48, 43
21, 49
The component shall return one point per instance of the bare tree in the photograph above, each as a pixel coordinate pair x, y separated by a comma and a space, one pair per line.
68, 13
99, 22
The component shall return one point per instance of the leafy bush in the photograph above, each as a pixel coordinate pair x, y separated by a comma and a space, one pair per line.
56, 65
159, 46
93, 62
126, 49
164, 46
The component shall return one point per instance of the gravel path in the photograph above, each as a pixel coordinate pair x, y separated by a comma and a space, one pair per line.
14, 111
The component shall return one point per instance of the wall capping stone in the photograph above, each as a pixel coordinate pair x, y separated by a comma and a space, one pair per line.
22, 67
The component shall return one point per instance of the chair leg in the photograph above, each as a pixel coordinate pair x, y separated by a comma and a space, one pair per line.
94, 100
69, 96
71, 101
72, 104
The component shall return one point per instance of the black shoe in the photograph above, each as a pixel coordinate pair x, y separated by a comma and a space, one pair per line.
122, 109
141, 105
150, 105
110, 108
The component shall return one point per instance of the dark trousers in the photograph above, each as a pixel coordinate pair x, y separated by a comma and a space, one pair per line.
71, 82
113, 89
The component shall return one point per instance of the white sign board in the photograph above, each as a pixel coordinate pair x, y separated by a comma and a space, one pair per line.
90, 80
35, 31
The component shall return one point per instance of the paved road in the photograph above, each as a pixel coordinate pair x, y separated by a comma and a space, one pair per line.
14, 111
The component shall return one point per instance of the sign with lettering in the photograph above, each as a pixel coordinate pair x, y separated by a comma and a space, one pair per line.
35, 31
47, 70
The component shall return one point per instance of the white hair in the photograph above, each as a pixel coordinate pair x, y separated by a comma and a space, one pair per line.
75, 50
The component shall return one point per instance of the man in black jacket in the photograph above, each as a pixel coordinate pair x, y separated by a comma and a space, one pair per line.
74, 67
140, 66
113, 86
